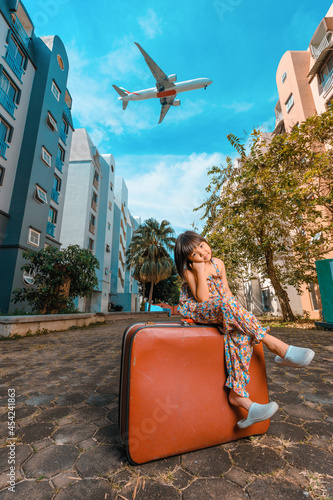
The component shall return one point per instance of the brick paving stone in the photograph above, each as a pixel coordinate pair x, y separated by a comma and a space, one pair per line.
22, 452
51, 414
209, 462
287, 398
73, 433
94, 489
287, 431
239, 477
89, 414
101, 460
100, 399
213, 489
65, 479
321, 398
149, 489
257, 459
29, 490
71, 399
35, 432
108, 434
43, 399
262, 489
309, 457
51, 461
157, 467
322, 430
181, 479
303, 412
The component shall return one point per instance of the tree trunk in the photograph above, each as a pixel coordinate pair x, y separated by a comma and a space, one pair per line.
280, 292
150, 294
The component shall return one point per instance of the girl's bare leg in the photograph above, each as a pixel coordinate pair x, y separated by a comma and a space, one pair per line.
275, 345
237, 400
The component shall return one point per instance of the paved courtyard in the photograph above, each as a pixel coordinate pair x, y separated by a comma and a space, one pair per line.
68, 446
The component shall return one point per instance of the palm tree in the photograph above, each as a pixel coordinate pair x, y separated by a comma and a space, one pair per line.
148, 253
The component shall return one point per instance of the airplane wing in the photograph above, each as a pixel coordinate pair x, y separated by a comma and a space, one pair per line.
159, 75
166, 103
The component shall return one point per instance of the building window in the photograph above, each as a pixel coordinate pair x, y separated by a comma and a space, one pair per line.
61, 153
53, 214
33, 237
55, 90
92, 221
60, 62
110, 205
64, 126
57, 184
51, 122
2, 174
46, 157
108, 249
326, 74
90, 244
284, 77
290, 103
9, 93
94, 201
109, 226
111, 186
40, 195
313, 297
6, 132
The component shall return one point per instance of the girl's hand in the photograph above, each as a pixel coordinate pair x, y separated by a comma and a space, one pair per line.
198, 267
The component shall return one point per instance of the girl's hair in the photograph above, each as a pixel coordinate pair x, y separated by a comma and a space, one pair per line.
185, 244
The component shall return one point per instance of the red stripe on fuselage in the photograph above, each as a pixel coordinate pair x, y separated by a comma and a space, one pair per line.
166, 93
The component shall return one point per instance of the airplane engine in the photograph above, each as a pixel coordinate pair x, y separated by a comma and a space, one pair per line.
176, 102
172, 78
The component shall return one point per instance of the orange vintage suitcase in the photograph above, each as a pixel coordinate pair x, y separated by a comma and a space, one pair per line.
172, 394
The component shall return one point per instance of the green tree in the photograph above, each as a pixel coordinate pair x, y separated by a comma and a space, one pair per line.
167, 290
148, 253
60, 276
263, 210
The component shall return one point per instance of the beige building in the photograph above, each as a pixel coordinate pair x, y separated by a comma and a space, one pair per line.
305, 86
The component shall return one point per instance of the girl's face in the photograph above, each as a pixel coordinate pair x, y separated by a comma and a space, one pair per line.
201, 253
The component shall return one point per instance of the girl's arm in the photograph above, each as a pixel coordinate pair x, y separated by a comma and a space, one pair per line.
221, 267
197, 281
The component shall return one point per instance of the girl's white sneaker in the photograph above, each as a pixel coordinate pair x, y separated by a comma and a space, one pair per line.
296, 356
258, 413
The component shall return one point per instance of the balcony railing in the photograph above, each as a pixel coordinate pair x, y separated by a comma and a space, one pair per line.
328, 82
67, 111
14, 65
94, 205
7, 103
3, 148
55, 195
92, 228
59, 164
50, 229
95, 182
20, 30
63, 136
326, 41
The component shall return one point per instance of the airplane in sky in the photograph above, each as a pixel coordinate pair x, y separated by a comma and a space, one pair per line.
166, 90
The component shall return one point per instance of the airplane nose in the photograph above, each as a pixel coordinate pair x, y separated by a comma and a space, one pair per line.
209, 81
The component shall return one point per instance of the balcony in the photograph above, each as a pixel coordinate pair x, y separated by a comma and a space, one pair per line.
95, 183
20, 30
50, 229
13, 64
67, 112
3, 148
59, 164
63, 136
55, 195
7, 103
94, 205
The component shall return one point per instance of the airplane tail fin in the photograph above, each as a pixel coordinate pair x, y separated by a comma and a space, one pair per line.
120, 91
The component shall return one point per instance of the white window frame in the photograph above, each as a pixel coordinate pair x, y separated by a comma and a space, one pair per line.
46, 156
284, 77
51, 122
33, 237
290, 102
55, 90
40, 195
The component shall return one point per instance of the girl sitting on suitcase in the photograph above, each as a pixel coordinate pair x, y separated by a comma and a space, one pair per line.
206, 298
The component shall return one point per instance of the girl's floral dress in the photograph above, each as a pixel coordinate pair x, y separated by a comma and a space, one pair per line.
241, 328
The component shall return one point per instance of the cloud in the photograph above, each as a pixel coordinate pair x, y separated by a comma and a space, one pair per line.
167, 187
239, 107
150, 24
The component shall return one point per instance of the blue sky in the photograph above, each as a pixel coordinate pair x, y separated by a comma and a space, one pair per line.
236, 43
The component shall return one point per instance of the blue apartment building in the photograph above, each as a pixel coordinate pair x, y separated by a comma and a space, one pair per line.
35, 138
